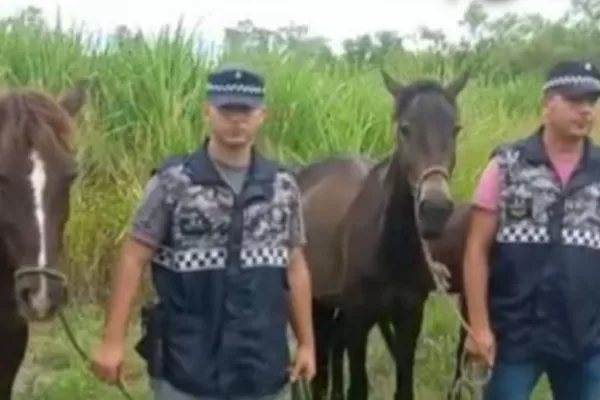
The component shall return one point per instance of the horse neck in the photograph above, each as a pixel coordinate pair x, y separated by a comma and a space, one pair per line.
401, 249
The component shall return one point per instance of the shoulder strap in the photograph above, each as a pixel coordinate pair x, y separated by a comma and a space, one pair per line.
168, 163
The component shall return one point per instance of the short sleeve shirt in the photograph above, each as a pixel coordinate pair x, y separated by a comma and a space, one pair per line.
487, 193
151, 218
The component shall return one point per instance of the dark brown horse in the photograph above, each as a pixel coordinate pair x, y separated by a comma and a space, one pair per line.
37, 167
366, 222
449, 250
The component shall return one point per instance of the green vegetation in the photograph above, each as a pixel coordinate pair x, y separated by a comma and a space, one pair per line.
149, 105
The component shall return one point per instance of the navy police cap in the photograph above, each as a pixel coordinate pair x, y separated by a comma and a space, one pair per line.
574, 78
236, 86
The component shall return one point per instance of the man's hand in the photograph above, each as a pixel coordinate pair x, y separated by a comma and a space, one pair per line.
481, 346
107, 362
482, 228
304, 366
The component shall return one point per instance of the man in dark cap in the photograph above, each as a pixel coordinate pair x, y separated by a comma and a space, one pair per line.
222, 229
532, 264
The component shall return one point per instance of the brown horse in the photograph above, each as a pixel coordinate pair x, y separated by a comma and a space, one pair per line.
449, 250
366, 223
37, 168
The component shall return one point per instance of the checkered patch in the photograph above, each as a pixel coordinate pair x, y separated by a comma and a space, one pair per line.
265, 256
523, 233
192, 260
585, 238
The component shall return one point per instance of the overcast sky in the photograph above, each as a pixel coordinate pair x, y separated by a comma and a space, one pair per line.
335, 19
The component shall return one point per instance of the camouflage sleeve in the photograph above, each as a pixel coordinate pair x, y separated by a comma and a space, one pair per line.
151, 218
297, 229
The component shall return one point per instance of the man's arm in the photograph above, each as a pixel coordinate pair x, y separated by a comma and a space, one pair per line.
134, 255
300, 299
148, 227
482, 229
300, 295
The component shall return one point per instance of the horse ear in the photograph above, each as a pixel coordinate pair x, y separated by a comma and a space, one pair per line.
74, 98
459, 83
391, 84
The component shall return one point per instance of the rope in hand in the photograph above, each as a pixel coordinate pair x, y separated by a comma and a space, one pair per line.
468, 368
59, 276
120, 384
300, 390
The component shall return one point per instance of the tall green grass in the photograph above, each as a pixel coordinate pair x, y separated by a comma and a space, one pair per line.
149, 104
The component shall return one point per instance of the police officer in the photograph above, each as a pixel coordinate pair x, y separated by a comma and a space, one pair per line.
532, 264
222, 229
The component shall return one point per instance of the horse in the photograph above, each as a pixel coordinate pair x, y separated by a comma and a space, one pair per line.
37, 170
449, 250
367, 223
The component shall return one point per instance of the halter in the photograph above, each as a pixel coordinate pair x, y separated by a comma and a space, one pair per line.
439, 271
46, 272
427, 173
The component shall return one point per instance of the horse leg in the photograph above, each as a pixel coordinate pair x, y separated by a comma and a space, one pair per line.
323, 330
389, 338
337, 358
462, 337
407, 320
13, 344
356, 333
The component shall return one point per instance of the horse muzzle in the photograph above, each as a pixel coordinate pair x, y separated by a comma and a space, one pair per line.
433, 215
40, 292
434, 203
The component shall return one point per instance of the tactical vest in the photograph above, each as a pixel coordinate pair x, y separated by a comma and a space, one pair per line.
219, 328
544, 287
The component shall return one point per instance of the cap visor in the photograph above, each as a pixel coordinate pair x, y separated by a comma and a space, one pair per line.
232, 101
580, 90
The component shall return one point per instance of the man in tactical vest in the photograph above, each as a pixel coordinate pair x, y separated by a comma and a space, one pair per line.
222, 229
532, 264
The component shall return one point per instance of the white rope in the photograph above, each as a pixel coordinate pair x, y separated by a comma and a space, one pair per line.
441, 275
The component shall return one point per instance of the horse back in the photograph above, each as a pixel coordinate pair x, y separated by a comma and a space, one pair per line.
328, 189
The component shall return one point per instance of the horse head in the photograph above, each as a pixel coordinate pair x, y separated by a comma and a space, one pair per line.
37, 170
426, 126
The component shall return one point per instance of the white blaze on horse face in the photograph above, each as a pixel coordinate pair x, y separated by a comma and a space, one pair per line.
40, 301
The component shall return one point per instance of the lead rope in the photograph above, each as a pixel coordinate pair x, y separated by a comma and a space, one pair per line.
468, 369
300, 390
120, 383
57, 275
441, 275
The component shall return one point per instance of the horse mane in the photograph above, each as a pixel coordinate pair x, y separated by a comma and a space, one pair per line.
34, 120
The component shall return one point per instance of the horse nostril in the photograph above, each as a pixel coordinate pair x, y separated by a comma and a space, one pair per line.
24, 295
